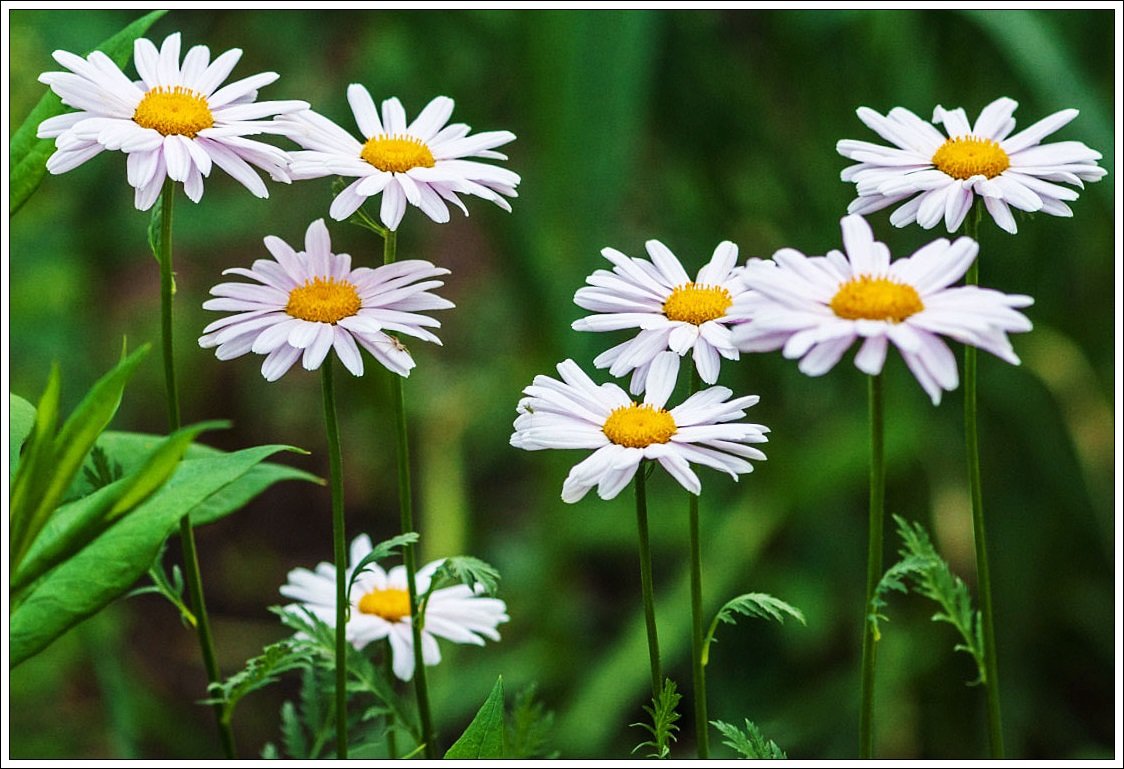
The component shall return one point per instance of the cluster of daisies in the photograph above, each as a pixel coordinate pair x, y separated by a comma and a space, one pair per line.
812, 308
179, 121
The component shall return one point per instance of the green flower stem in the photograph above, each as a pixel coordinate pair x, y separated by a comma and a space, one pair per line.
187, 531
392, 724
406, 515
698, 668
339, 550
975, 490
873, 565
646, 580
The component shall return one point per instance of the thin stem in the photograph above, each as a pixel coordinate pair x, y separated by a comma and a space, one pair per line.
698, 670
873, 564
391, 736
339, 553
646, 580
975, 490
187, 532
406, 515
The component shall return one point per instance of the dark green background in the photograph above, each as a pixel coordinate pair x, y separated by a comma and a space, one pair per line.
687, 127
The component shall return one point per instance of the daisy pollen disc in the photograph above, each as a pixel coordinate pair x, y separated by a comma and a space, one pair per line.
397, 154
638, 426
324, 300
392, 604
697, 303
966, 156
868, 298
174, 111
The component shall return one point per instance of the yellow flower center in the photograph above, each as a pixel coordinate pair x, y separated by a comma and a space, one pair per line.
696, 303
867, 298
175, 110
396, 153
968, 156
324, 301
639, 425
391, 604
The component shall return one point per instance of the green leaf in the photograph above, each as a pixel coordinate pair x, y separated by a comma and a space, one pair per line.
931, 577
73, 526
109, 565
664, 716
760, 605
35, 470
378, 552
260, 671
39, 498
28, 154
21, 418
466, 570
484, 737
750, 742
528, 726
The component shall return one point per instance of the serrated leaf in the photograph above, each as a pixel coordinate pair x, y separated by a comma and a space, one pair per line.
155, 219
528, 726
292, 732
748, 742
484, 737
110, 564
28, 154
378, 552
930, 576
467, 570
761, 605
259, 672
664, 716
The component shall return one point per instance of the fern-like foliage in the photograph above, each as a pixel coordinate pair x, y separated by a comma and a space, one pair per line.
923, 568
378, 552
761, 605
102, 470
260, 671
663, 727
528, 726
748, 742
171, 587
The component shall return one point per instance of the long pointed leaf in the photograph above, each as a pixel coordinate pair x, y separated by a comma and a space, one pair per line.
73, 526
108, 566
484, 736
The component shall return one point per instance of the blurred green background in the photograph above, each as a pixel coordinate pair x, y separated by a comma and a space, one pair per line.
690, 127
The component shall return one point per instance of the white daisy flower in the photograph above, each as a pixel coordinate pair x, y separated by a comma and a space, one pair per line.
422, 163
816, 307
939, 176
575, 413
310, 302
174, 122
672, 311
380, 608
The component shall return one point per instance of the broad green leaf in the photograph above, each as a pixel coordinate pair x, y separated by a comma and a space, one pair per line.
761, 605
109, 565
72, 526
35, 470
21, 418
49, 475
484, 736
28, 153
129, 449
